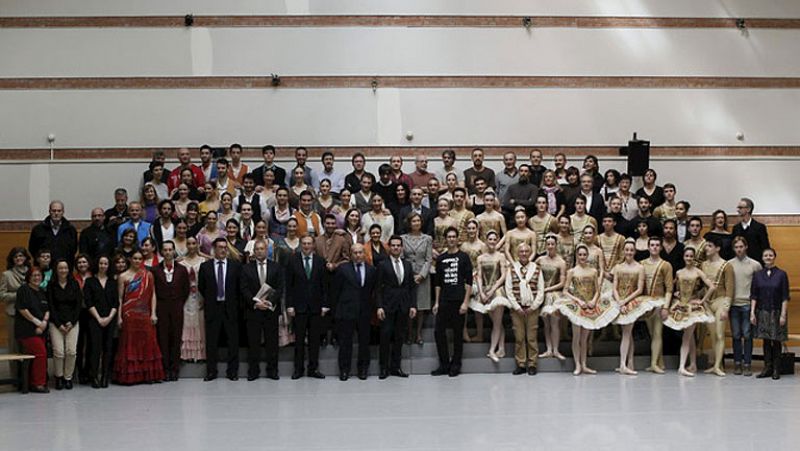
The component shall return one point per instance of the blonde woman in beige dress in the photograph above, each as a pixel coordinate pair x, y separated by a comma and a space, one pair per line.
554, 272
441, 223
628, 284
580, 219
688, 308
473, 247
491, 219
490, 297
542, 223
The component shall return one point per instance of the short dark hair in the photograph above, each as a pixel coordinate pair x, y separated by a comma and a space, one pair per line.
460, 189
13, 253
694, 218
375, 226
384, 169
449, 152
671, 221
655, 238
206, 146
327, 153
268, 148
235, 146
306, 193
222, 161
357, 155
670, 185
249, 176
329, 216
219, 240
298, 149
451, 229
395, 238
685, 203
625, 176
170, 242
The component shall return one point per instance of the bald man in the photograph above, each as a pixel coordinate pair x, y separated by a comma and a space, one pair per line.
352, 290
96, 239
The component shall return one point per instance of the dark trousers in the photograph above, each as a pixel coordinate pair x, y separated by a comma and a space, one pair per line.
101, 341
262, 323
82, 360
393, 333
306, 325
217, 320
344, 331
772, 355
170, 332
449, 318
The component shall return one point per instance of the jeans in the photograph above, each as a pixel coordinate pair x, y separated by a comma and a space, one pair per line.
742, 338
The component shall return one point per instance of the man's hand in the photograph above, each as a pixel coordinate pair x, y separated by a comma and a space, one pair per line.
325, 310
412, 313
381, 314
290, 312
463, 309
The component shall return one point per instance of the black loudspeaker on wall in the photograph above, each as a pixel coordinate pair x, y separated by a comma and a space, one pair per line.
638, 153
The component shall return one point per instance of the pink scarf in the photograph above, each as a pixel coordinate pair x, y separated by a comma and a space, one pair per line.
552, 205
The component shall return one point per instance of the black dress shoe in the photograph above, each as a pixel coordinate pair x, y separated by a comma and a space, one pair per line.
383, 374
316, 374
766, 372
41, 389
273, 375
398, 373
532, 371
297, 375
68, 384
60, 383
519, 370
441, 371
233, 377
323, 343
210, 377
776, 375
96, 383
251, 377
174, 377
454, 371
344, 376
104, 382
362, 374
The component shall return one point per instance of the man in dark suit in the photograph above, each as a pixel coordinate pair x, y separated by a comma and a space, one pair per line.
753, 231
397, 303
268, 152
307, 303
415, 206
595, 205
171, 282
218, 283
261, 314
352, 289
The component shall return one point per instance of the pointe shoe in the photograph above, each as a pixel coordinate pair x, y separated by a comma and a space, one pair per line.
501, 352
467, 339
588, 370
560, 357
684, 372
493, 357
577, 371
545, 355
655, 369
716, 371
692, 368
628, 372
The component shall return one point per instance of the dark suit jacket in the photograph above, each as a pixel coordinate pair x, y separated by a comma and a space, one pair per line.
280, 175
756, 236
250, 286
207, 285
178, 290
427, 220
352, 300
391, 295
306, 295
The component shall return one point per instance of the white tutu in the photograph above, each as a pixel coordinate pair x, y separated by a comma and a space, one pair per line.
637, 308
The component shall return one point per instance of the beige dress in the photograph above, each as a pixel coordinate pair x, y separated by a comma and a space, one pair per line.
490, 271
683, 313
602, 314
552, 275
638, 306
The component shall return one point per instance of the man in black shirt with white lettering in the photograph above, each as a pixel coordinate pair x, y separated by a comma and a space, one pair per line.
453, 290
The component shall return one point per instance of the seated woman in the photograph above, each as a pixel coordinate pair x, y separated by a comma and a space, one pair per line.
32, 316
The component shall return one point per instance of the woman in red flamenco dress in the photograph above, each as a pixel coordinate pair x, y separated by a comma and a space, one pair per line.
138, 357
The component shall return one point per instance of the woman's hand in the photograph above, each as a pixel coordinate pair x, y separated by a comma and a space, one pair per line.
418, 279
153, 319
753, 318
783, 320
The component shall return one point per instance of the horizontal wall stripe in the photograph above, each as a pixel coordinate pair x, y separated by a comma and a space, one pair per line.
80, 224
438, 21
463, 152
402, 82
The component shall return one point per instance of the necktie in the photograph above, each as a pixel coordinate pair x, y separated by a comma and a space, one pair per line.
308, 266
247, 233
399, 270
360, 270
220, 281
262, 273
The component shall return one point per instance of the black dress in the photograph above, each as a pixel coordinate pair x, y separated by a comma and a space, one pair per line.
656, 198
770, 287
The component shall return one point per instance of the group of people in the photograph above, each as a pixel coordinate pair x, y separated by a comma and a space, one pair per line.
217, 254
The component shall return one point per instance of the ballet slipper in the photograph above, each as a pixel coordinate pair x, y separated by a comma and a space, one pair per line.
684, 372
692, 368
588, 370
628, 372
545, 355
560, 356
655, 369
718, 372
493, 357
501, 352
577, 371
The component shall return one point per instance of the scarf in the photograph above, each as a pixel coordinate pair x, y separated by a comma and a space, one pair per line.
526, 295
551, 191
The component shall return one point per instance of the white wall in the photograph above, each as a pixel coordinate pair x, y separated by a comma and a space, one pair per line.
678, 8
357, 117
708, 183
96, 52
